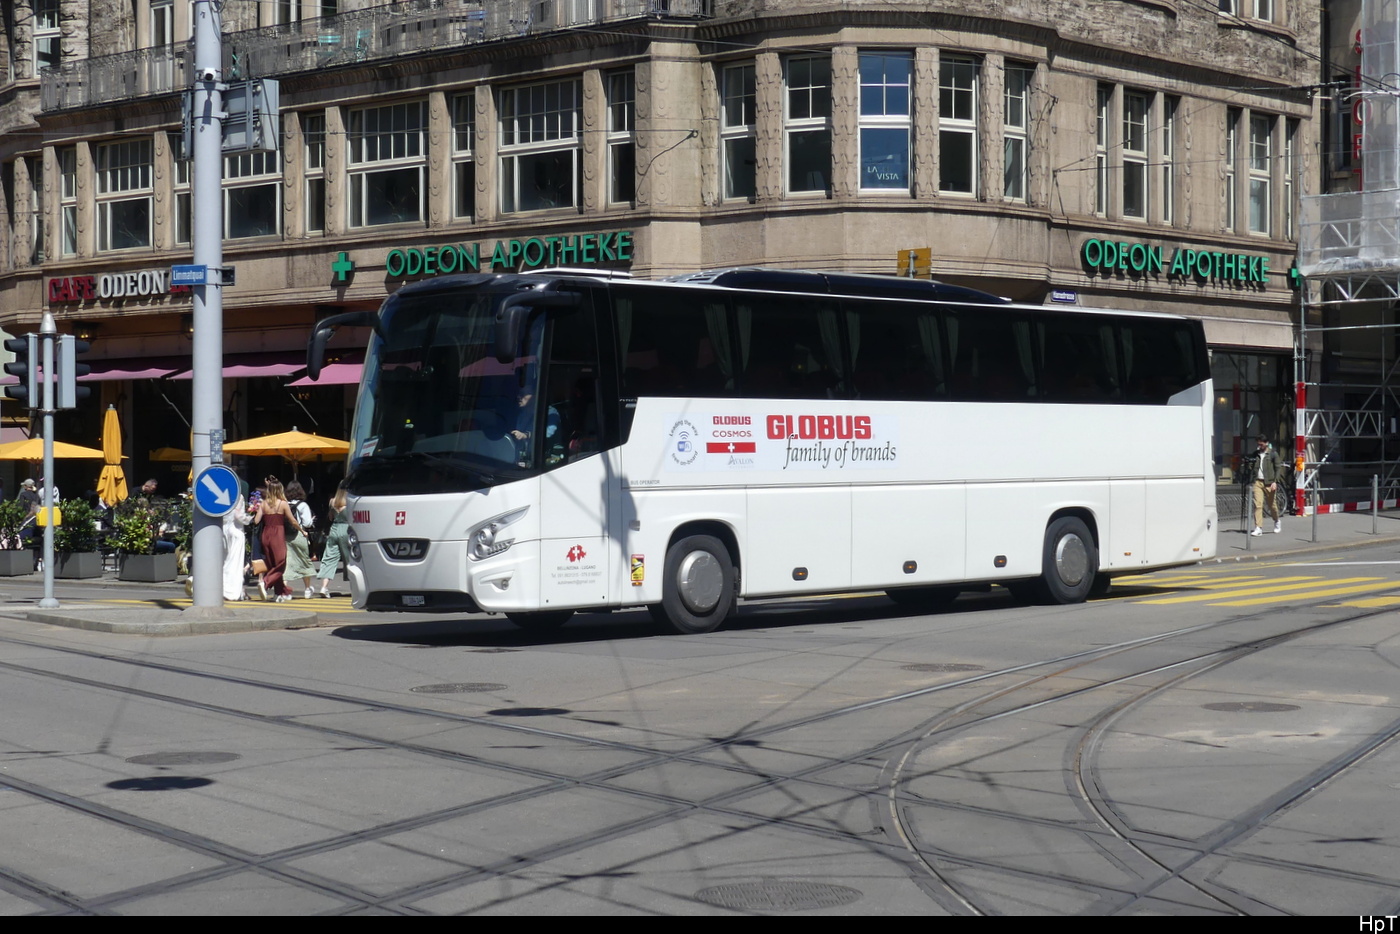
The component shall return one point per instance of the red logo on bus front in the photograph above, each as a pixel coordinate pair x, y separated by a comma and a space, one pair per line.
826, 427
400, 517
360, 515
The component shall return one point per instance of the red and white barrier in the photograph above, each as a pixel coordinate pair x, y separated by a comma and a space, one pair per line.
1363, 506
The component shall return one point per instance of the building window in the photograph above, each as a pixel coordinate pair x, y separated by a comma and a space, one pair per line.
124, 195
1136, 106
1232, 148
386, 164
162, 23
737, 122
884, 119
36, 210
1262, 10
540, 165
807, 124
622, 145
68, 200
1168, 150
1290, 169
1261, 133
291, 11
46, 34
313, 141
463, 160
183, 218
957, 125
252, 195
1016, 130
1104, 115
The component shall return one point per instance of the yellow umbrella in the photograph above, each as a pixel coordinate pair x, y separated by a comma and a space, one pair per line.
32, 449
298, 447
111, 486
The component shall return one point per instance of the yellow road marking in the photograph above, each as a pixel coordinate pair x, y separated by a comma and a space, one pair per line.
1373, 602
1308, 595
1271, 587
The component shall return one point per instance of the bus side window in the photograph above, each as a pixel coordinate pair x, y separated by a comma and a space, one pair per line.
898, 351
992, 356
792, 349
672, 343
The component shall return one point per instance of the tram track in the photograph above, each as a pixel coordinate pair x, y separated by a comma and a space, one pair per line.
966, 716
962, 716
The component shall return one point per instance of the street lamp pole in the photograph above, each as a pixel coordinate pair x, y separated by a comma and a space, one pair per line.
207, 202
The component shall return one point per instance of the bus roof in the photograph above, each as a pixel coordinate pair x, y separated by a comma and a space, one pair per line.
835, 283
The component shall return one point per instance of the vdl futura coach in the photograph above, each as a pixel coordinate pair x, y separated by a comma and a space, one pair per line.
540, 444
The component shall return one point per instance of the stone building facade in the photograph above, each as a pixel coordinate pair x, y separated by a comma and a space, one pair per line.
1143, 154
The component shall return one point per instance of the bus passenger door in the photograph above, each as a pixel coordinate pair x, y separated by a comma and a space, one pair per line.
575, 567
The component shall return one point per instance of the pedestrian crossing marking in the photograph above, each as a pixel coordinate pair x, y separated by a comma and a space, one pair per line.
1373, 603
1329, 592
1277, 585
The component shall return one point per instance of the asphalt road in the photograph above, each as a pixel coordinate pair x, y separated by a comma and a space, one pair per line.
1217, 740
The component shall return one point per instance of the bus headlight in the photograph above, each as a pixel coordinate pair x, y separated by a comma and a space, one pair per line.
353, 541
485, 540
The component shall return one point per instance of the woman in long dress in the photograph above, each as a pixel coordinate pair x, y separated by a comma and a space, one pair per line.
274, 517
300, 571
235, 520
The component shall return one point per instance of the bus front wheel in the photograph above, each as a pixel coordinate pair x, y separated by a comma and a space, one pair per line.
545, 621
1069, 563
697, 588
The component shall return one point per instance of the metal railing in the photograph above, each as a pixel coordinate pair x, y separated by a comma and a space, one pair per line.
375, 34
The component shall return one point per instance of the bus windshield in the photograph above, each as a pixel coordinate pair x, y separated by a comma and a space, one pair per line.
437, 411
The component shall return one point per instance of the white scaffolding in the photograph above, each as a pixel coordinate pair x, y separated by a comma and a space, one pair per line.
1349, 257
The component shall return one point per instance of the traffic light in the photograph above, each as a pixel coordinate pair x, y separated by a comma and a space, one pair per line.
68, 370
26, 367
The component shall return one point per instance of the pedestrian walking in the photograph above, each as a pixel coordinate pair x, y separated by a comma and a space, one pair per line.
1267, 468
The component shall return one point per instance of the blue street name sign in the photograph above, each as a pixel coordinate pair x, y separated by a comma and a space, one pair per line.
189, 275
216, 491
1064, 295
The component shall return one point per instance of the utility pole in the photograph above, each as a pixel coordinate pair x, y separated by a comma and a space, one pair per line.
47, 333
208, 235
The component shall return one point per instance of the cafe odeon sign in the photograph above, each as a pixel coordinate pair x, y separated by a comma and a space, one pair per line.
1140, 260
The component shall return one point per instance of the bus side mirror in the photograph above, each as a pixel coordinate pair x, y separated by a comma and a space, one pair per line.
515, 313
322, 331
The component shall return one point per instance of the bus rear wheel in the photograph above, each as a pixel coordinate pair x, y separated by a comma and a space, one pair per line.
698, 586
1070, 562
545, 621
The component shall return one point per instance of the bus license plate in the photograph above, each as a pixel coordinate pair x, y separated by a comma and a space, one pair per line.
413, 599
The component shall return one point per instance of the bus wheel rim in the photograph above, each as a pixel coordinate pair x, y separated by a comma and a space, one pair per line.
1071, 560
700, 581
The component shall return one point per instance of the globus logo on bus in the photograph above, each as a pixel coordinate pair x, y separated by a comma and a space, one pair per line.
1139, 260
799, 441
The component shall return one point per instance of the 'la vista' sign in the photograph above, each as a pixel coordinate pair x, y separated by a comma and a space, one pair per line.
1114, 257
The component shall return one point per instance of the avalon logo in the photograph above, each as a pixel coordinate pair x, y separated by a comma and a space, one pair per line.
405, 549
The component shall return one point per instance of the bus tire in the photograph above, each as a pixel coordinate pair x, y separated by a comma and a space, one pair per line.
698, 585
924, 599
545, 621
1069, 562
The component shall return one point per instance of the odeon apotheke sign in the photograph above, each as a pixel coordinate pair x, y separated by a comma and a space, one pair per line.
1138, 260
517, 253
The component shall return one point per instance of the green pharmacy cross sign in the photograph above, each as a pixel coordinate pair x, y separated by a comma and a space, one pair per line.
1112, 257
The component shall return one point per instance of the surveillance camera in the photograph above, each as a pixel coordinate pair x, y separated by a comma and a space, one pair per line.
208, 74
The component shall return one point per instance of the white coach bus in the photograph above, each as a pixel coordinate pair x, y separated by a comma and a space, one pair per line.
536, 445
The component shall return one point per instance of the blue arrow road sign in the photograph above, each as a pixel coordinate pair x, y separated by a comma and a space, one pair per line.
215, 491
